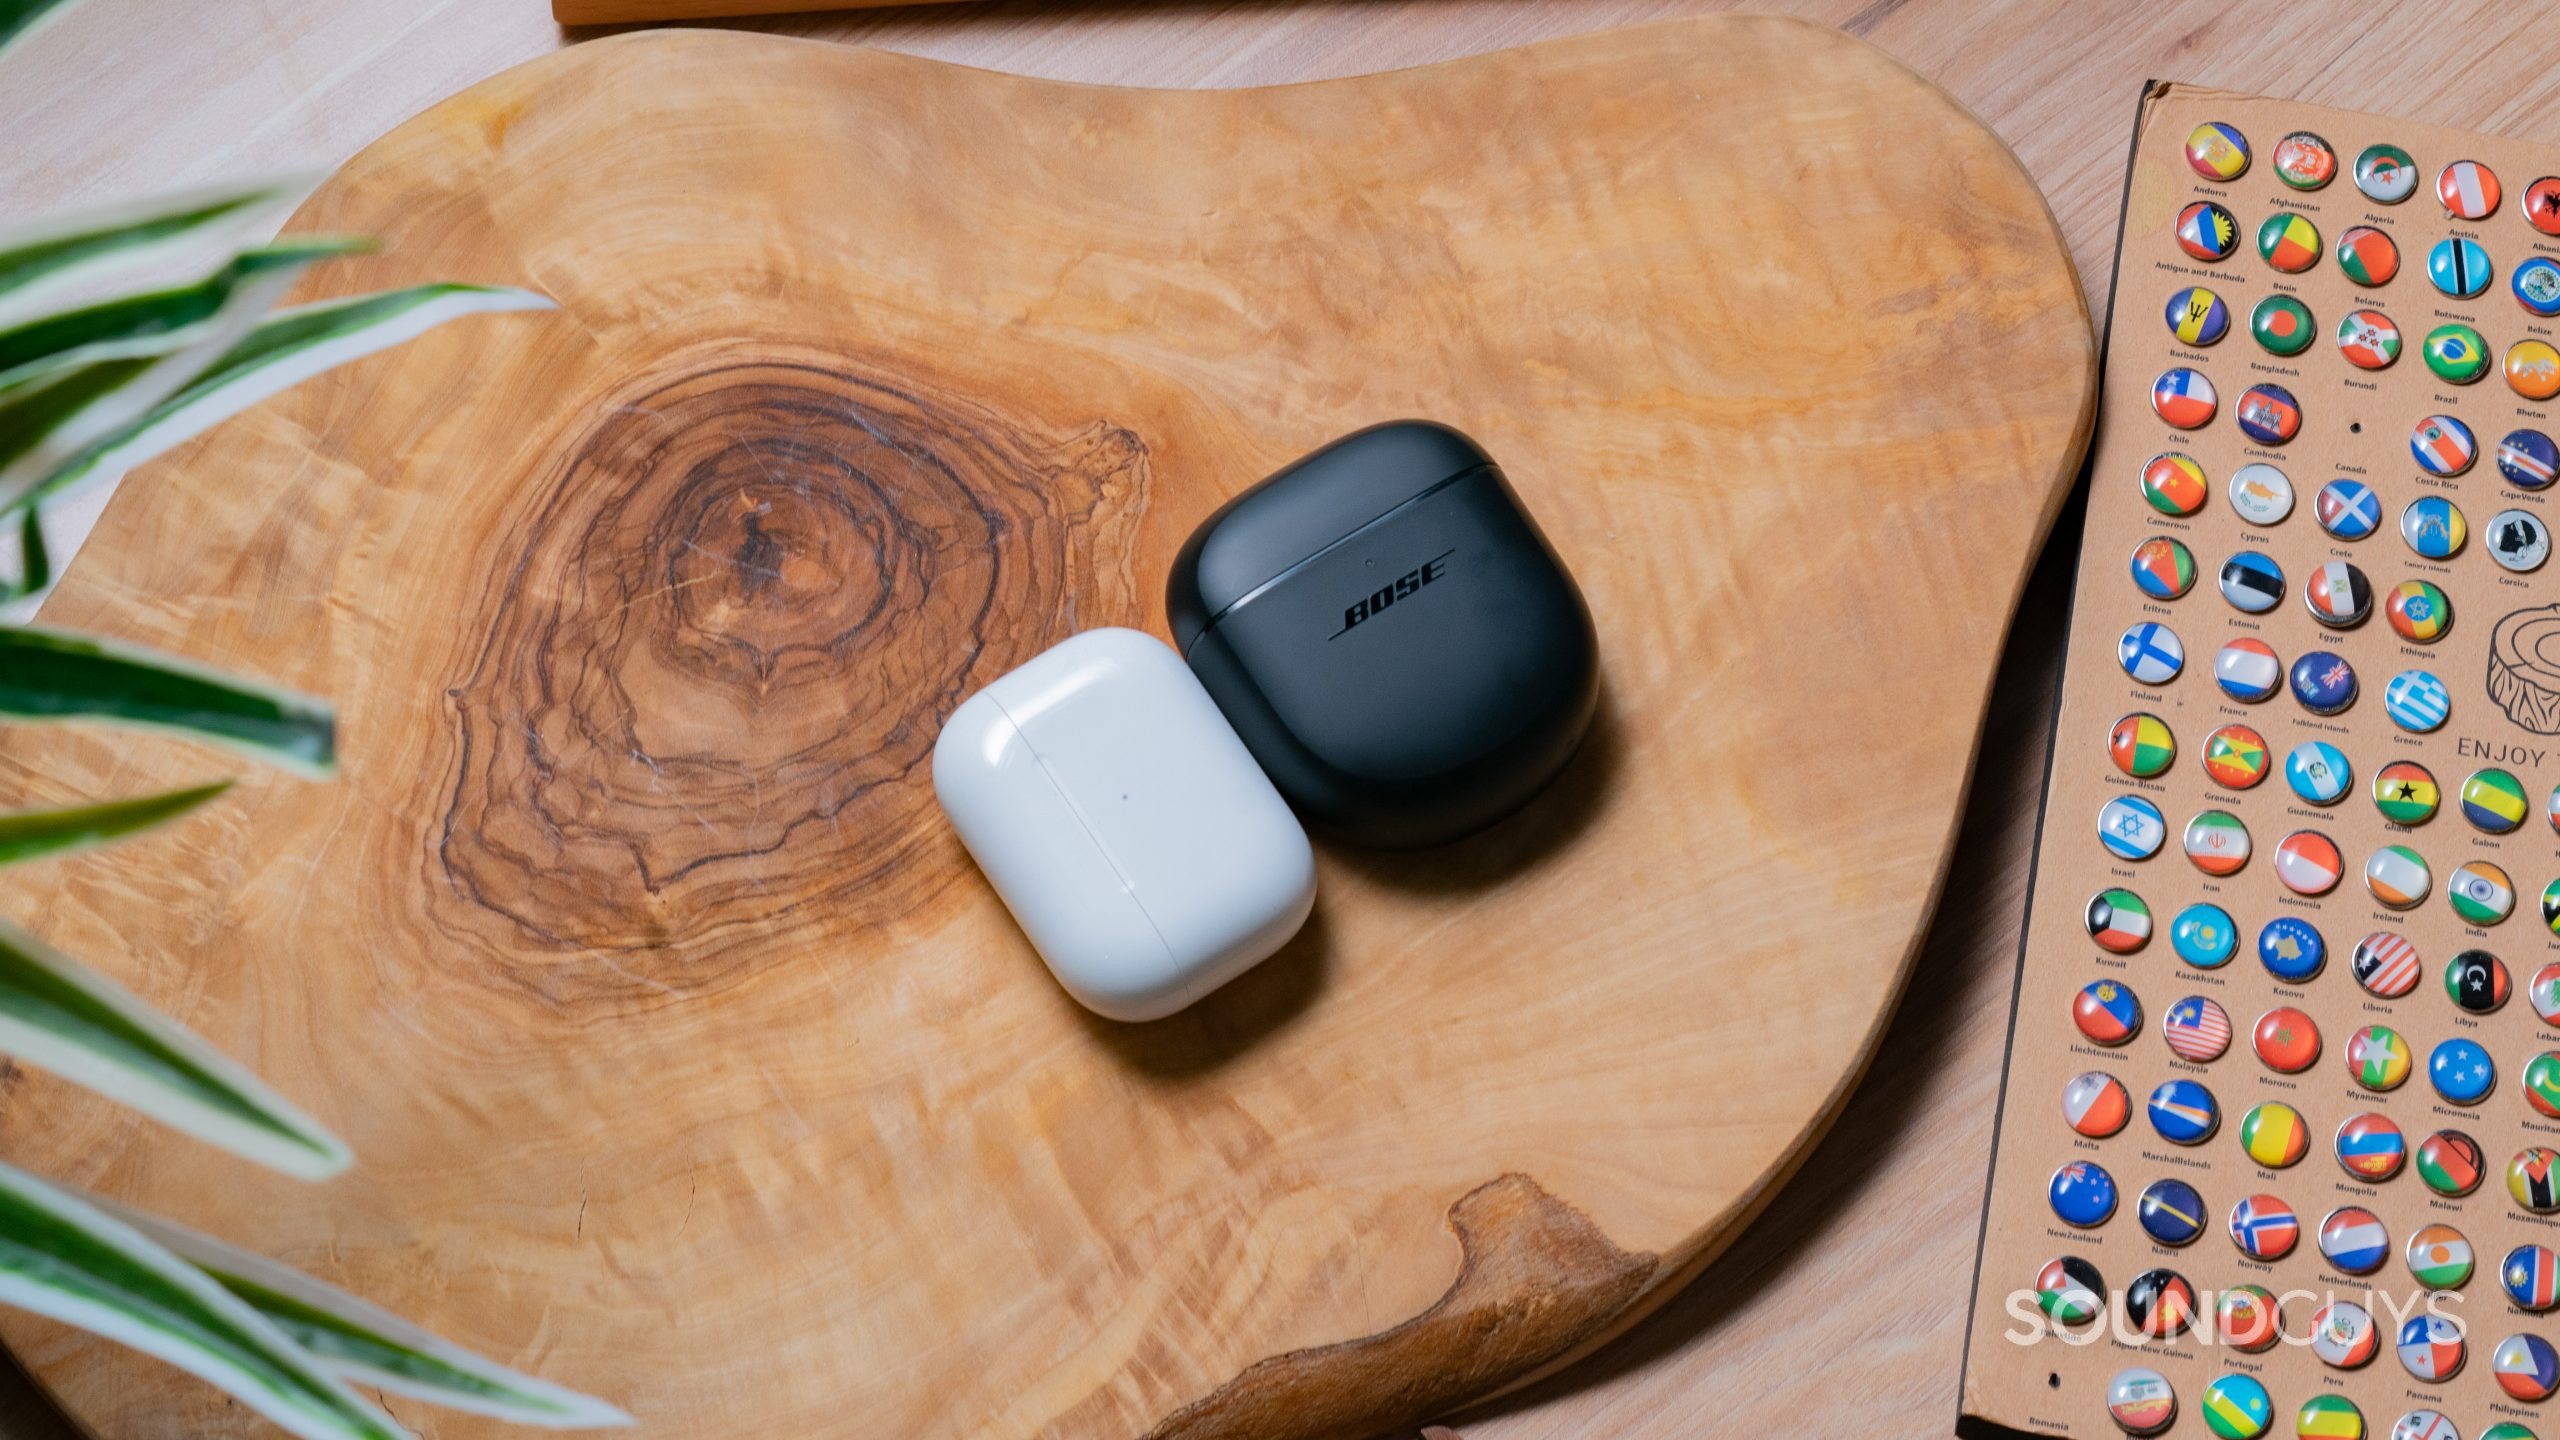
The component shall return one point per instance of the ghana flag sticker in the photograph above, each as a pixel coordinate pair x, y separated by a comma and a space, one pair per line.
2405, 793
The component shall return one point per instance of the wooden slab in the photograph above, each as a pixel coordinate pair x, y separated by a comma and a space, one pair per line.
688, 1059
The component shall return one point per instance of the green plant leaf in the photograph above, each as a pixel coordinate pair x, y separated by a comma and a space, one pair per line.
18, 18
51, 418
50, 675
31, 834
35, 562
285, 349
64, 1257
368, 1345
62, 1016
60, 260
154, 322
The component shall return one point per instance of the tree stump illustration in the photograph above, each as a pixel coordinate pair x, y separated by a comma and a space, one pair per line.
2524, 668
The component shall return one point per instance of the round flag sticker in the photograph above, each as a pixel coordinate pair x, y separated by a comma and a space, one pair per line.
2455, 353
2264, 1227
2248, 1321
2551, 906
2197, 316
2417, 702
2543, 993
2318, 772
2070, 1291
2338, 595
2459, 268
2482, 895
2150, 653
2204, 936
2184, 398
2532, 369
2476, 981
2174, 484
2369, 340
2216, 842
2405, 793
2261, 493
2536, 286
2367, 256
2252, 582
2120, 923
2207, 232
2378, 1058
2439, 1256
2197, 1030
2519, 541
2286, 1040
2235, 756
2343, 1335
2237, 1407
2184, 1113
2386, 174
2305, 161
2217, 151
2542, 1084
2323, 682
2273, 1134
2434, 527
2347, 509
2398, 877
2527, 1273
2083, 1194
2353, 1240
2269, 414
2493, 800
2467, 189
2449, 1163
2385, 964
2329, 1416
2542, 204
2281, 325
2370, 1147
2289, 242
2528, 460
2461, 1071
2527, 1367
2248, 671
2140, 1401
2291, 949
2431, 1347
2308, 863
2162, 568
2170, 1211
2095, 1104
2441, 444
2131, 828
2141, 745
2160, 1303
2418, 611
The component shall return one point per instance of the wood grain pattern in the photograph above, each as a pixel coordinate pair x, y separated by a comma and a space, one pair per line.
675, 1031
619, 12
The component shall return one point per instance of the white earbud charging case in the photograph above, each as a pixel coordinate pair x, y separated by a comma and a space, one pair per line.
1123, 823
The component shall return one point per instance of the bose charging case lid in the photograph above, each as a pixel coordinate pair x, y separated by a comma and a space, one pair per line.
1123, 824
1391, 635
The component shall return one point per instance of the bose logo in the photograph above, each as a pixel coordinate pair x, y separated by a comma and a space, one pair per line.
1403, 587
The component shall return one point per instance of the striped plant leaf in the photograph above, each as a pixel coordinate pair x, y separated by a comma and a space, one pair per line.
59, 261
50, 419
50, 675
19, 18
65, 1257
64, 1017
153, 322
284, 350
368, 1345
31, 834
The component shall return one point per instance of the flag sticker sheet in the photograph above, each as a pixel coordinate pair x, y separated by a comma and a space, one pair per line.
2279, 1142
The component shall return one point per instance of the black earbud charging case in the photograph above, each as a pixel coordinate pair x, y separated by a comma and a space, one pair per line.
1391, 635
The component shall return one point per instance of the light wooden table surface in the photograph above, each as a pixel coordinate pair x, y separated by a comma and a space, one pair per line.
1842, 1311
